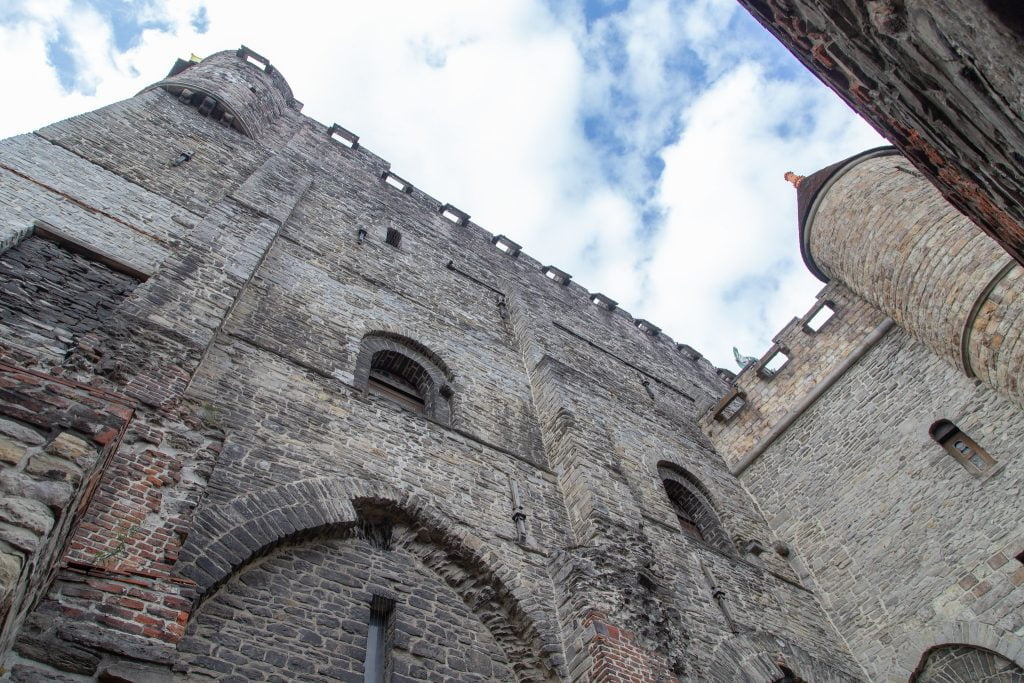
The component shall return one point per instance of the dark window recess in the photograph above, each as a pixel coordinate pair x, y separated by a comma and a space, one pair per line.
379, 639
693, 509
1020, 557
397, 389
963, 448
648, 389
394, 238
686, 523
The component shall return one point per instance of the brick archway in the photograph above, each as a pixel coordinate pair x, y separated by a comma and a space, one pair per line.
228, 537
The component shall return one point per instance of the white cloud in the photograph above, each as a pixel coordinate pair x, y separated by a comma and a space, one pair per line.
482, 105
726, 268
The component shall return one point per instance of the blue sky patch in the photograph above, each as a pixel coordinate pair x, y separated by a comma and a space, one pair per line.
62, 61
201, 20
598, 9
125, 21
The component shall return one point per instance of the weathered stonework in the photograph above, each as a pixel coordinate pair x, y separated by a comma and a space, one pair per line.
245, 281
939, 78
908, 548
252, 392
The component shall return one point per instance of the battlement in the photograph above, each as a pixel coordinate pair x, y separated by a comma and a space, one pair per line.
806, 355
239, 88
347, 142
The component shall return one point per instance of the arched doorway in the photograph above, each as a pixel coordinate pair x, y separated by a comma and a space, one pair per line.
337, 605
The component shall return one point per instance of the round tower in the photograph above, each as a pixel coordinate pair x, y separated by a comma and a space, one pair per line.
875, 224
239, 88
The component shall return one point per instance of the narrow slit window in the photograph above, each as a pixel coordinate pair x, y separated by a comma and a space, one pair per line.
378, 640
821, 314
963, 448
394, 238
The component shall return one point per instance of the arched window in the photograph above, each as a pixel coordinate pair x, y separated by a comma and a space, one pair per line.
406, 373
957, 663
691, 503
400, 379
962, 447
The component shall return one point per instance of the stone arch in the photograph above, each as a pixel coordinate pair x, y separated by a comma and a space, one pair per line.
419, 365
230, 536
764, 658
687, 492
915, 644
956, 663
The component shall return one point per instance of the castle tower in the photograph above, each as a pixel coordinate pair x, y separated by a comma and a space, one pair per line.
271, 412
875, 224
880, 433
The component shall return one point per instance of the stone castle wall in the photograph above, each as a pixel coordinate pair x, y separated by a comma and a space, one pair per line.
257, 462
881, 229
905, 547
918, 557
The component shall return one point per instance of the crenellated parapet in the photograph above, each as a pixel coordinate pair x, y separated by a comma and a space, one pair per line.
238, 88
806, 356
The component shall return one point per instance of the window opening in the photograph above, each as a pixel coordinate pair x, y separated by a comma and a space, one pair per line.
396, 388
397, 182
821, 314
648, 389
556, 275
962, 447
731, 404
257, 60
647, 327
773, 363
394, 238
343, 136
604, 302
379, 637
693, 508
506, 245
686, 522
1020, 557
691, 353
454, 215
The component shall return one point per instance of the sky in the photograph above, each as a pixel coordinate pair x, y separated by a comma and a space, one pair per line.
637, 144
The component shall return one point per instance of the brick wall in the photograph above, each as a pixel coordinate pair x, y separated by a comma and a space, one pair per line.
55, 438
